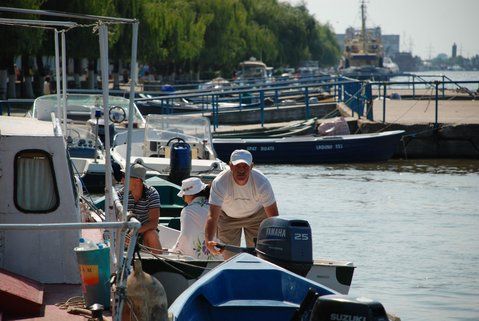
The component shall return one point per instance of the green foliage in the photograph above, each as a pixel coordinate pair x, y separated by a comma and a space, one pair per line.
19, 40
195, 35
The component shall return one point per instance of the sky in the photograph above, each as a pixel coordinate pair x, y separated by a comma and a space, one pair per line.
426, 27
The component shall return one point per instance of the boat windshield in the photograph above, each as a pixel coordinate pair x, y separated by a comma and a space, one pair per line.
167, 127
81, 106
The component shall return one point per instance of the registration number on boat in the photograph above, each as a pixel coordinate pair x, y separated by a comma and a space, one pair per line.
330, 146
260, 148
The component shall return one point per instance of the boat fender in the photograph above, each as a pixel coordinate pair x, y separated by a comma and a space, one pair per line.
146, 297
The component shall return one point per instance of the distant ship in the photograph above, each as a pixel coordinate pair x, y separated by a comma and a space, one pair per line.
363, 56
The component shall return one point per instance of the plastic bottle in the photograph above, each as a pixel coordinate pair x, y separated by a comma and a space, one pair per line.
86, 244
101, 245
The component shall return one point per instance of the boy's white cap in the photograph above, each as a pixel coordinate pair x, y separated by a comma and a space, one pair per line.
241, 156
191, 186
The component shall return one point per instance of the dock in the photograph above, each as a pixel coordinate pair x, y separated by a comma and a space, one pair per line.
452, 132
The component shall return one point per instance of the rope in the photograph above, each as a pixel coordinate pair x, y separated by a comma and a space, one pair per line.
148, 250
73, 302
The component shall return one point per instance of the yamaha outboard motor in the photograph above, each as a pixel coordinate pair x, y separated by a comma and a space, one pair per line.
341, 307
180, 161
287, 243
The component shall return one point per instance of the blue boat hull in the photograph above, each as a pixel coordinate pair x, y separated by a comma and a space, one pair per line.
357, 148
244, 288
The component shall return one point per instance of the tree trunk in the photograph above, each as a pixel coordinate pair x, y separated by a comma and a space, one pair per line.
39, 77
11, 91
91, 74
4, 62
3, 83
27, 91
116, 74
77, 72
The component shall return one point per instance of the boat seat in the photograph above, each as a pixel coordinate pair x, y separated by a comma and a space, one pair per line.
257, 303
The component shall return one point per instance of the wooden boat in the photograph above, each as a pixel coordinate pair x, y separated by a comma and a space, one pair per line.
374, 147
298, 128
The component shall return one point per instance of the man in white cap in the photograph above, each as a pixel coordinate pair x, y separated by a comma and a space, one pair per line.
144, 203
240, 199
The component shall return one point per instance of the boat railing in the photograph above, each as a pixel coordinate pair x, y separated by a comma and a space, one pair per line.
123, 263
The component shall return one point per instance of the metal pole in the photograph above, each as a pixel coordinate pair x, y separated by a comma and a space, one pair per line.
261, 103
443, 88
108, 179
57, 75
384, 102
414, 87
64, 82
109, 213
276, 98
306, 102
436, 83
133, 72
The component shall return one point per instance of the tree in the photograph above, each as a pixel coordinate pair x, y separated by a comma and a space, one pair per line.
21, 41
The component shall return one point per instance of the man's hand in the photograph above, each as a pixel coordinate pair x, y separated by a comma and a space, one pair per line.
211, 245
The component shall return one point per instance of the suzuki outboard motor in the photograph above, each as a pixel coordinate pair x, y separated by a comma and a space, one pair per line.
341, 307
180, 162
287, 243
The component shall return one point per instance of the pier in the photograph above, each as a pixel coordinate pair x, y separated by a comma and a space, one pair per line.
441, 118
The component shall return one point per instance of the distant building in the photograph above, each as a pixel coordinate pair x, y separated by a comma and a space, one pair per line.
390, 43
405, 61
454, 50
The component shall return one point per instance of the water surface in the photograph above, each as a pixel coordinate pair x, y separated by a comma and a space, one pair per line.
410, 227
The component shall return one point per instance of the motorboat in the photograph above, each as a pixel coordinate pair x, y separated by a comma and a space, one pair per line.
313, 149
250, 288
173, 147
178, 272
85, 131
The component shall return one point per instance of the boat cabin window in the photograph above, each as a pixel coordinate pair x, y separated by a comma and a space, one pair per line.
35, 189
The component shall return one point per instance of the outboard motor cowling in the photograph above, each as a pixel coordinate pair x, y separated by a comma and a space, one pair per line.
180, 162
341, 307
287, 243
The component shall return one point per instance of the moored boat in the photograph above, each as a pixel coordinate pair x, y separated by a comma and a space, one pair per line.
177, 272
363, 56
372, 147
244, 288
85, 131
173, 147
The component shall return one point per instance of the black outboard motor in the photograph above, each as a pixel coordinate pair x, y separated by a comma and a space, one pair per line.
341, 307
287, 243
180, 161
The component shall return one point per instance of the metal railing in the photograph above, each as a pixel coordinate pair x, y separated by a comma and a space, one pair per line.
123, 263
436, 85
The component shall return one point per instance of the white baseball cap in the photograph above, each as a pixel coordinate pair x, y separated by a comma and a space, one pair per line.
191, 186
241, 156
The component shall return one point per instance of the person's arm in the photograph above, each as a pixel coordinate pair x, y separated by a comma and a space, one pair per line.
152, 224
210, 228
271, 210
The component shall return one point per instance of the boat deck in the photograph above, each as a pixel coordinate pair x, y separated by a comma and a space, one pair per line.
56, 294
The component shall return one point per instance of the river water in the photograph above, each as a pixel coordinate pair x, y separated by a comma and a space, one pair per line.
410, 227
